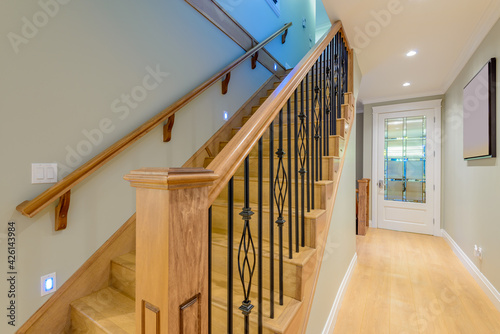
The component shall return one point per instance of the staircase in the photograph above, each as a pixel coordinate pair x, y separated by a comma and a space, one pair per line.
112, 309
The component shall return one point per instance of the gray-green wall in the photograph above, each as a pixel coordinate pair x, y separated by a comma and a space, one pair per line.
341, 242
471, 190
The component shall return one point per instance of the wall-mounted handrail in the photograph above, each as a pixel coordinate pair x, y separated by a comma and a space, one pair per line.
234, 153
62, 188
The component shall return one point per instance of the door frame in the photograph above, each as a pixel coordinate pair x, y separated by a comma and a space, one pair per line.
395, 108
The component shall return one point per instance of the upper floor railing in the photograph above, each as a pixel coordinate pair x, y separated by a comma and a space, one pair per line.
62, 189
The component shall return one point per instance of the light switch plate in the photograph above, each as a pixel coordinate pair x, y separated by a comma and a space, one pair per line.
43, 173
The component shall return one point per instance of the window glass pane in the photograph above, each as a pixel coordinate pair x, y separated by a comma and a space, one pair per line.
415, 191
394, 191
404, 159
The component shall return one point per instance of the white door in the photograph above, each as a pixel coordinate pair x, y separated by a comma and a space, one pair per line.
405, 169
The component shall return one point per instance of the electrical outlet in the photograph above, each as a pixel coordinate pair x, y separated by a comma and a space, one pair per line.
480, 253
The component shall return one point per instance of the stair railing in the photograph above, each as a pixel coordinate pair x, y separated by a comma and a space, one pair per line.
62, 189
322, 80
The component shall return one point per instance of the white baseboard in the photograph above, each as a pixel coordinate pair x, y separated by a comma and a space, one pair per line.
332, 318
483, 282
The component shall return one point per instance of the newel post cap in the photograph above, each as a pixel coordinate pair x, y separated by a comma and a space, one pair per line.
171, 178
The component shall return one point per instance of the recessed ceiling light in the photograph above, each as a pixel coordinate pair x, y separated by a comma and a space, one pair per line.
406, 84
411, 53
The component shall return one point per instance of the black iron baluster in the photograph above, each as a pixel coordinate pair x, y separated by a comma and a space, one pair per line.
246, 244
280, 184
259, 231
316, 121
296, 168
302, 157
271, 220
327, 101
337, 76
333, 114
210, 270
230, 260
307, 144
290, 189
319, 156
313, 127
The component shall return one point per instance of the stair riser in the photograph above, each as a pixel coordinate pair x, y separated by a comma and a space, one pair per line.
81, 324
292, 273
319, 202
337, 144
219, 223
123, 279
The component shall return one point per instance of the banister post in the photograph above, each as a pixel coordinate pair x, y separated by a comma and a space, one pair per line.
172, 249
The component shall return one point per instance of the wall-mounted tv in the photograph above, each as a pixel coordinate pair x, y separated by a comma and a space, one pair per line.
479, 116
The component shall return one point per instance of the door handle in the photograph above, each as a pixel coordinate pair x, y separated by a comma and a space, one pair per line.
381, 184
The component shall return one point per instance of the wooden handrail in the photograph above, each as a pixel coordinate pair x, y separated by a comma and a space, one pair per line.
31, 208
232, 155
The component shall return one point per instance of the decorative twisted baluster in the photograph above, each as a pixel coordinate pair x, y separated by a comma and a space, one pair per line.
280, 192
328, 100
246, 244
302, 157
317, 121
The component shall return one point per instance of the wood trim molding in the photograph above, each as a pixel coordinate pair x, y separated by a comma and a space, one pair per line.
93, 275
231, 157
229, 26
170, 178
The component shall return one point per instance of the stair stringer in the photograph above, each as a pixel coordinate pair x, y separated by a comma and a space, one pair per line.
53, 317
310, 280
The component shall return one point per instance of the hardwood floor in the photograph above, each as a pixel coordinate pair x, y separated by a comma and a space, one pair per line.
409, 283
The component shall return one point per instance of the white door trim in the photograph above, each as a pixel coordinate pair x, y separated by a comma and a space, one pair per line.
377, 111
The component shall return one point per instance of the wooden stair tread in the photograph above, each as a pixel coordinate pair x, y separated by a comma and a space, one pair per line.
108, 310
126, 260
283, 313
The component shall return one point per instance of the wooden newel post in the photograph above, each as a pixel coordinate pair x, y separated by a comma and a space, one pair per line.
364, 205
172, 250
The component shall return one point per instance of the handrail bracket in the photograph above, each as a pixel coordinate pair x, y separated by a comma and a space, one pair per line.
283, 37
225, 83
254, 60
62, 208
167, 129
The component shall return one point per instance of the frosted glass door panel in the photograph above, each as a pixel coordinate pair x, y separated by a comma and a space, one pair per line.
404, 159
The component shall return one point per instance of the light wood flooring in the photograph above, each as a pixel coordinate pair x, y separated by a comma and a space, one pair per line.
408, 283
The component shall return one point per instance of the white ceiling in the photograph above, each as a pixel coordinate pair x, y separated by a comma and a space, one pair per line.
444, 32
